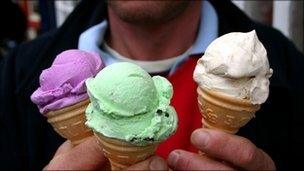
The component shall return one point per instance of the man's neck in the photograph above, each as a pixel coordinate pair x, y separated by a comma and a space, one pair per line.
155, 42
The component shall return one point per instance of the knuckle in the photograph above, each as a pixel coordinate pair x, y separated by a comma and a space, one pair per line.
183, 163
248, 153
186, 164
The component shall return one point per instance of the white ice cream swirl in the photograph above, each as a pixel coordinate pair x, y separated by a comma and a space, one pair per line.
237, 65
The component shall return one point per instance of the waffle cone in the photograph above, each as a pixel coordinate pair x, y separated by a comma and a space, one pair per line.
122, 154
224, 112
69, 122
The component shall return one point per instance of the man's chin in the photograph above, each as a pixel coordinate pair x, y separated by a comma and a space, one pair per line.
148, 12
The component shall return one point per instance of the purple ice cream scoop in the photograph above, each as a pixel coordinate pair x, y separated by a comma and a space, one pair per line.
63, 84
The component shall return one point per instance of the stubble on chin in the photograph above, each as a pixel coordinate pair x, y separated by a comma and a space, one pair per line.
147, 12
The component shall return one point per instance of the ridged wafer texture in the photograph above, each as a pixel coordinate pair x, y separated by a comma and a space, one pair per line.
69, 122
224, 112
122, 154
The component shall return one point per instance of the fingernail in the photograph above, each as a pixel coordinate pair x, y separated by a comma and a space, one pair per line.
200, 138
173, 158
157, 163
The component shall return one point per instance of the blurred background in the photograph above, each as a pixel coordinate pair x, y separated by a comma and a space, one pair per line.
26, 19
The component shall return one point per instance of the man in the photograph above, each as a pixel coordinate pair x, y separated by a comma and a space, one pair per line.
165, 38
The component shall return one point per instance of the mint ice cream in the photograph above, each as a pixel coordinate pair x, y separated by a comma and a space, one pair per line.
128, 104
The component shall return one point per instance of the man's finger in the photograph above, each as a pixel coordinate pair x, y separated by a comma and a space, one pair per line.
183, 160
152, 163
85, 156
235, 149
64, 148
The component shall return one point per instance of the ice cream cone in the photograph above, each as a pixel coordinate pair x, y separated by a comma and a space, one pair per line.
69, 122
224, 112
123, 154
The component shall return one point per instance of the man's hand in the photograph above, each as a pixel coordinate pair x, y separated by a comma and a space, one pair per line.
89, 156
222, 151
152, 163
85, 156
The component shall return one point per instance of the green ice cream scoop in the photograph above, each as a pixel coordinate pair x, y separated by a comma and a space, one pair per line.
128, 104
